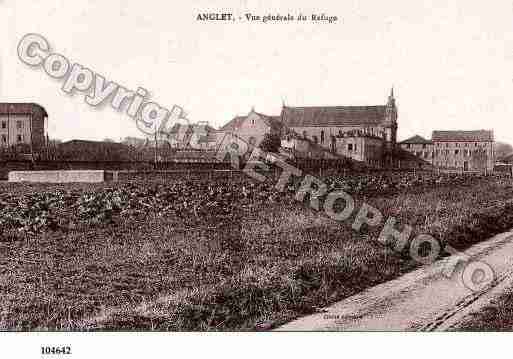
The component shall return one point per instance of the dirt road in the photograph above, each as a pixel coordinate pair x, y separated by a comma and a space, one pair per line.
422, 300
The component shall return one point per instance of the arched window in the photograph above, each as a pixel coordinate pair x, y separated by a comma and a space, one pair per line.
322, 136
304, 134
315, 139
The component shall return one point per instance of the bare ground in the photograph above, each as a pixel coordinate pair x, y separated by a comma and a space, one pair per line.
424, 299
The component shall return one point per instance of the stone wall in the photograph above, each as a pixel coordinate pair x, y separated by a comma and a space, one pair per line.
86, 176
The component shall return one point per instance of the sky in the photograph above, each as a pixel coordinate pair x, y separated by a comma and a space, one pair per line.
450, 63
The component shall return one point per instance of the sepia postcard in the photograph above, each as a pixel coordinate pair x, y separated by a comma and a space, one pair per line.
268, 171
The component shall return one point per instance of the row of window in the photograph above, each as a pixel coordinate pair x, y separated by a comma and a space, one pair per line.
408, 145
476, 144
376, 163
340, 134
465, 144
19, 138
432, 154
459, 164
465, 152
450, 164
19, 124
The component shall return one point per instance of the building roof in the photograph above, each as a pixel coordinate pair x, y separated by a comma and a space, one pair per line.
22, 108
177, 127
272, 121
234, 123
333, 116
471, 136
416, 140
205, 132
90, 143
85, 150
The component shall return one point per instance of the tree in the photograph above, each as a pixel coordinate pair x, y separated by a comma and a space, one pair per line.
502, 150
270, 143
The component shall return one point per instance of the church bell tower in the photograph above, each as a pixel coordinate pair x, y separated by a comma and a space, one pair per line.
391, 118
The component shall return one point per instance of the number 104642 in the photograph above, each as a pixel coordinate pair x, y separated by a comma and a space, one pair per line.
55, 350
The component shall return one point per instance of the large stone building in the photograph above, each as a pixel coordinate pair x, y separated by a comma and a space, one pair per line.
325, 124
23, 124
455, 150
364, 133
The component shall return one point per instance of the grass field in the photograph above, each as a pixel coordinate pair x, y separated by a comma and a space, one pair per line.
252, 267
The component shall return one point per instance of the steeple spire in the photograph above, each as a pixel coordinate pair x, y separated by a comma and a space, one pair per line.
391, 99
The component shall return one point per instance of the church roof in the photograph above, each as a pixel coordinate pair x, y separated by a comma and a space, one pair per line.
416, 140
333, 116
471, 136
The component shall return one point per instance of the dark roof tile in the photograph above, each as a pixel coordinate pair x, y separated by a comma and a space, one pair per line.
234, 123
333, 116
22, 108
471, 136
416, 140
272, 121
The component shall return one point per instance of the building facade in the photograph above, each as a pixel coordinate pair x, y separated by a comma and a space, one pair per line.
364, 148
464, 150
363, 133
253, 127
455, 150
23, 124
322, 124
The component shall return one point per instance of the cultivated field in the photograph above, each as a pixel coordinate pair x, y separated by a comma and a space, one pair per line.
156, 255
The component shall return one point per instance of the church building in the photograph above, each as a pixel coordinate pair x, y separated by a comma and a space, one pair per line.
364, 133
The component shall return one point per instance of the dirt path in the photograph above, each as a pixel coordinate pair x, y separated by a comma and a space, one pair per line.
421, 300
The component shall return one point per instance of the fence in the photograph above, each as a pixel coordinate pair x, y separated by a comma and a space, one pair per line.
141, 166
172, 169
